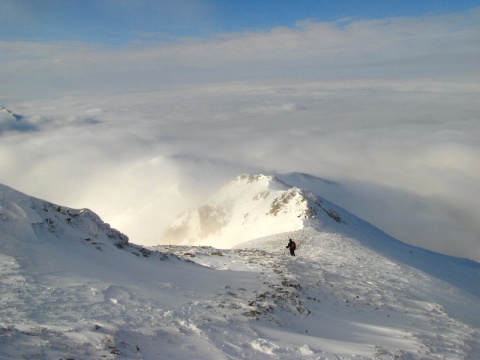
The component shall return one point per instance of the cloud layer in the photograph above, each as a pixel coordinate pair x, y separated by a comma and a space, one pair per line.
441, 48
143, 132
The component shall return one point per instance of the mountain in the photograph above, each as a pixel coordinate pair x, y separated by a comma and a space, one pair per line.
73, 287
420, 220
249, 207
9, 121
253, 206
32, 219
5, 113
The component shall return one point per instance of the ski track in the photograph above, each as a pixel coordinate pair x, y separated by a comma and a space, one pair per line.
334, 300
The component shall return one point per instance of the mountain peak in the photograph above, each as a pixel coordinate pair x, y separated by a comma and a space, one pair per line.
259, 180
250, 207
7, 112
9, 121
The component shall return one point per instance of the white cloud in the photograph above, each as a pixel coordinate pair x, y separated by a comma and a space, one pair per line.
443, 48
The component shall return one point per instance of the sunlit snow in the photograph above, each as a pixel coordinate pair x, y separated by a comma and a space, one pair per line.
73, 287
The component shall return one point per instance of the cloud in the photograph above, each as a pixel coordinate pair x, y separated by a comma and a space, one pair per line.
438, 47
407, 150
144, 131
16, 126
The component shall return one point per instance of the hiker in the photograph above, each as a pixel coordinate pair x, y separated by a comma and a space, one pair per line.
292, 246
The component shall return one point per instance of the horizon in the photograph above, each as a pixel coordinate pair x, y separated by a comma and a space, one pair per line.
53, 48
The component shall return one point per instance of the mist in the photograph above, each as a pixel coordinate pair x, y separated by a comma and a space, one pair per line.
388, 109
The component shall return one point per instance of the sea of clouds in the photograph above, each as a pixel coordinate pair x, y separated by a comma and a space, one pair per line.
138, 133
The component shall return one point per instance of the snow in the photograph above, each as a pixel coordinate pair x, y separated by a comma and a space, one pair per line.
73, 287
6, 113
249, 207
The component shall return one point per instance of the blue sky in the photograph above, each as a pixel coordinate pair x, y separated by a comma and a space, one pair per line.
123, 21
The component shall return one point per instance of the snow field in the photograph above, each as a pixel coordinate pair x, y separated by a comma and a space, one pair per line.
366, 298
72, 287
246, 303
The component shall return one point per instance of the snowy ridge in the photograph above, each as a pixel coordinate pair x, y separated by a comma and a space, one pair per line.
9, 121
4, 113
73, 287
249, 207
38, 218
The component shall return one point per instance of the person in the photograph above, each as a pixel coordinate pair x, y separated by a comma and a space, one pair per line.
292, 246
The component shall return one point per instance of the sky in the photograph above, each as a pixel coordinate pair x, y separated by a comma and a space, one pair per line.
141, 109
117, 22
51, 48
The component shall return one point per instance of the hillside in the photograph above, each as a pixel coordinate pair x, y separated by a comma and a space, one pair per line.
73, 287
249, 207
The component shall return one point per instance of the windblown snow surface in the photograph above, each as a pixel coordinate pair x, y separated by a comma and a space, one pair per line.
71, 287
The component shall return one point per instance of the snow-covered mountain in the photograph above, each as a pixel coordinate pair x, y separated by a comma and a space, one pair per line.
9, 121
73, 287
250, 207
31, 219
6, 114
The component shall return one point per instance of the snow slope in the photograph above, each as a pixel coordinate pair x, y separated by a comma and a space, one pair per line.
249, 207
72, 287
